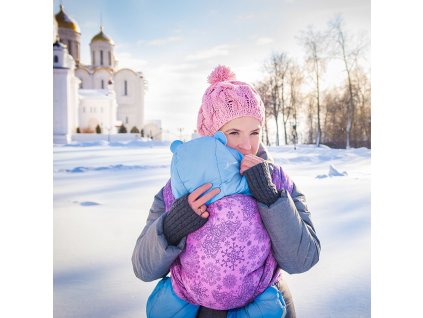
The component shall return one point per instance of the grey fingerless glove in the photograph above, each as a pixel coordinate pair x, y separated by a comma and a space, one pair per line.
180, 221
260, 183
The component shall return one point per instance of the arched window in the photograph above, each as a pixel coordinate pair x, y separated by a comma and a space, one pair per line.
102, 84
126, 120
101, 57
70, 47
126, 88
93, 58
56, 59
110, 58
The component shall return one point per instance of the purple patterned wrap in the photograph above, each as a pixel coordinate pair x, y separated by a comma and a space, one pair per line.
228, 261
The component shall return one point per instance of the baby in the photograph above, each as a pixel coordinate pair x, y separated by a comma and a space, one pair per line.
228, 262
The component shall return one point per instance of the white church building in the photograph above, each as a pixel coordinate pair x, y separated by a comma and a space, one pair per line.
87, 98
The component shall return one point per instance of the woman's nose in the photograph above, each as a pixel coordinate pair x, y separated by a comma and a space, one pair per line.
245, 145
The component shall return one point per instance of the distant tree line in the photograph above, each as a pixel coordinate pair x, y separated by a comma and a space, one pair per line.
338, 116
121, 130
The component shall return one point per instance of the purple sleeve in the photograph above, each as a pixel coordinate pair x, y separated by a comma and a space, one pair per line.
168, 196
281, 179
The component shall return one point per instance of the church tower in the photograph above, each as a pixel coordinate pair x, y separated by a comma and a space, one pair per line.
102, 51
65, 94
69, 34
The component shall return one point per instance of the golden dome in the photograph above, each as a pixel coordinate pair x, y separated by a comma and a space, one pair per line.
101, 37
65, 21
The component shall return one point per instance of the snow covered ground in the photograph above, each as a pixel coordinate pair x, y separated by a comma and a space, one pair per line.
102, 194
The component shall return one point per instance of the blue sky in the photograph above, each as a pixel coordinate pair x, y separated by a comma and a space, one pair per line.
176, 44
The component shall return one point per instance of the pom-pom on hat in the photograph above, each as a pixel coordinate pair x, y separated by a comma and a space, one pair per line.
227, 99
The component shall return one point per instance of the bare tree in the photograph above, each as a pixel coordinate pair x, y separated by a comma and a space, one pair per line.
334, 117
263, 89
295, 81
272, 80
349, 52
310, 112
267, 115
316, 45
284, 65
335, 99
361, 129
277, 71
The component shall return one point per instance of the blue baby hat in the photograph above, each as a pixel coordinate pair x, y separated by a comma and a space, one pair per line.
206, 160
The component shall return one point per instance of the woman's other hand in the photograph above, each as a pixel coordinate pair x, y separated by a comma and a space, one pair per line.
259, 179
249, 161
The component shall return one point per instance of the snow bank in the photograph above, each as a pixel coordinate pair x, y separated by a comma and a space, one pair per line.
138, 142
102, 195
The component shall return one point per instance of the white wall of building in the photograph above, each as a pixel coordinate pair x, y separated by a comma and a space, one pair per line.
65, 95
100, 76
85, 77
97, 107
130, 100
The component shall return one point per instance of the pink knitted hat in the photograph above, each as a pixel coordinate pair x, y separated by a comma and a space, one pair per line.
227, 99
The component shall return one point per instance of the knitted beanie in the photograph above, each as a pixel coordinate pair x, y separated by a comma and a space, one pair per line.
227, 99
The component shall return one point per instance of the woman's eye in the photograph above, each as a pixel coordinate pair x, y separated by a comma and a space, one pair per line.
254, 133
233, 133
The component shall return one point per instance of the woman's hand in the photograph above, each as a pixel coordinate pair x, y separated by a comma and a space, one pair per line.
198, 202
249, 161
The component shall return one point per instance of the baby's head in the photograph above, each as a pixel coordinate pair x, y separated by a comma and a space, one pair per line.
233, 107
206, 160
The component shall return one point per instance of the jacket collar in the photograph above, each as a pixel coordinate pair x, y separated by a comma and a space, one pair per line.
264, 153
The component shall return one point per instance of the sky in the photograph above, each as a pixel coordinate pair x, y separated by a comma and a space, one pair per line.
176, 44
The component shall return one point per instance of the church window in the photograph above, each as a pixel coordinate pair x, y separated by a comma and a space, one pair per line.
102, 84
101, 57
56, 59
70, 47
110, 58
93, 58
80, 85
126, 119
126, 88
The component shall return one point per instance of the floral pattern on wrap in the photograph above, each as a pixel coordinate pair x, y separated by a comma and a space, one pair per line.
228, 261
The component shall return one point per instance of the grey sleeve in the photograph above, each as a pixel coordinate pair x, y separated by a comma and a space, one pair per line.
294, 241
152, 255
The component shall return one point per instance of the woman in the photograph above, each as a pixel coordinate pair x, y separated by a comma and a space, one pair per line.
236, 109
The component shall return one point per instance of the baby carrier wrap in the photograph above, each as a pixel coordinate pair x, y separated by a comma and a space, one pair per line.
228, 261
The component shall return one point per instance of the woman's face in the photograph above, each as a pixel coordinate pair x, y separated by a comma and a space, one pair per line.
243, 134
